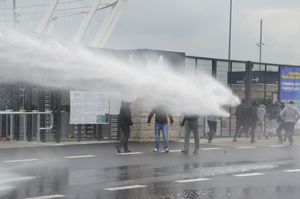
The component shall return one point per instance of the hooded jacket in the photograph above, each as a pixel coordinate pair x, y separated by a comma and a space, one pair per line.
290, 113
261, 111
125, 114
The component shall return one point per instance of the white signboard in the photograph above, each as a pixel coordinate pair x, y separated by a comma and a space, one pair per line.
90, 107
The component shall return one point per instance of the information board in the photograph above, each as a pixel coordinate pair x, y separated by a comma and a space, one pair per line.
290, 84
90, 107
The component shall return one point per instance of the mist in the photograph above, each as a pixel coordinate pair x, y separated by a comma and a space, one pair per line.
46, 62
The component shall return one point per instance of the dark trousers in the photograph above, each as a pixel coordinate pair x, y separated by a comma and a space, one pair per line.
125, 129
289, 130
252, 126
279, 130
191, 126
239, 124
212, 125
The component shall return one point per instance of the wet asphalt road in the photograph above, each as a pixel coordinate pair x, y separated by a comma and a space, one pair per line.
96, 171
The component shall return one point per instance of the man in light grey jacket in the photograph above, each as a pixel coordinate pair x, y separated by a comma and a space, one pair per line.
290, 115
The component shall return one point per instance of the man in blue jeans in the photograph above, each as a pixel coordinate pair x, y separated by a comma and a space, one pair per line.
161, 124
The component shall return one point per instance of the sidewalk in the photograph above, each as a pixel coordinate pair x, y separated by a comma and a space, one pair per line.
244, 142
23, 144
219, 142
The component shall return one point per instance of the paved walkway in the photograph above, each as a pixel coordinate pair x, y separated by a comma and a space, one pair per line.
23, 144
219, 142
245, 142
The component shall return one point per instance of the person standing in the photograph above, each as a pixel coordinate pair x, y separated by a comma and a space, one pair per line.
290, 115
251, 120
273, 115
261, 111
161, 125
125, 121
212, 122
280, 125
191, 124
240, 114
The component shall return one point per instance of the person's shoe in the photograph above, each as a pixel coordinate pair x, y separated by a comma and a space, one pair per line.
118, 148
166, 150
234, 140
196, 152
127, 151
184, 152
155, 150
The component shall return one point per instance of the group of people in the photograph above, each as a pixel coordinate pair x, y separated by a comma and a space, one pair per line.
267, 120
189, 122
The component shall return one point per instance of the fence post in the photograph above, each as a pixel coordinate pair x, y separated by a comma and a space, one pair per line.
248, 83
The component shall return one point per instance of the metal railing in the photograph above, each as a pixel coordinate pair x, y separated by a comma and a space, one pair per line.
39, 128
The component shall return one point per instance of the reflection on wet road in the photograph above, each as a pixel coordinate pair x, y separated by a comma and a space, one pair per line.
252, 173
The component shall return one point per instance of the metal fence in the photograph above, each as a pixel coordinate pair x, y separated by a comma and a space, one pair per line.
251, 81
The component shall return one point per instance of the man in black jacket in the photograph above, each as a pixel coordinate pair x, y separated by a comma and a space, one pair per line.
240, 114
191, 124
161, 124
125, 121
251, 120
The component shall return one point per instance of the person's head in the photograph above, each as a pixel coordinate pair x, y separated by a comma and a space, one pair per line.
291, 102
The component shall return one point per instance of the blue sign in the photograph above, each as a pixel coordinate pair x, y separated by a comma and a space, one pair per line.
258, 77
290, 84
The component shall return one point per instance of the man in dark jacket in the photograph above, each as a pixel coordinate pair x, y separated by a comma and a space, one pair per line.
125, 121
251, 120
161, 124
191, 124
240, 114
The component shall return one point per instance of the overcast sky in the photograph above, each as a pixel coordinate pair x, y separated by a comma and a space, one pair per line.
197, 27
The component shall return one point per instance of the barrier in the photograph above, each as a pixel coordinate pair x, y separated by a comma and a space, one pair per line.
39, 128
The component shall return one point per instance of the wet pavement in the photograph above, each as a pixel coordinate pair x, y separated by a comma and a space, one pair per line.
95, 171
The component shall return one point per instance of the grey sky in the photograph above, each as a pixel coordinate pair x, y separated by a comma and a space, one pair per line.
197, 27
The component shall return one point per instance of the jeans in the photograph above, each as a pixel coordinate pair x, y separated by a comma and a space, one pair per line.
164, 129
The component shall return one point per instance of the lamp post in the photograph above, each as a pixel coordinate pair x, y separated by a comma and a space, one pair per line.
229, 40
14, 14
260, 44
229, 57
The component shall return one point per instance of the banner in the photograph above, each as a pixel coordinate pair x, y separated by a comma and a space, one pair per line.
89, 107
290, 84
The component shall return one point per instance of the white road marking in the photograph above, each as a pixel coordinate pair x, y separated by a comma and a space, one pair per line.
246, 147
192, 180
276, 146
292, 170
248, 174
131, 153
24, 160
208, 149
175, 151
48, 197
79, 156
125, 187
